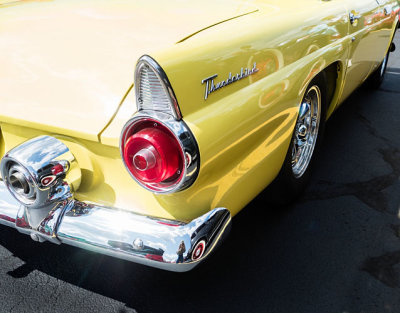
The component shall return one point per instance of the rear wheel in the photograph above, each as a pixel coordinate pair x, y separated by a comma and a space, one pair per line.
305, 143
376, 78
306, 131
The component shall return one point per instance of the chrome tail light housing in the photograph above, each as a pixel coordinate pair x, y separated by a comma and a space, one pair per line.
159, 152
157, 147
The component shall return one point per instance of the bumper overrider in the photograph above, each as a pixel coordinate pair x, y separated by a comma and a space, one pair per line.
36, 197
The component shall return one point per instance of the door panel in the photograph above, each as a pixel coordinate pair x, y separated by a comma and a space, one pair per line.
363, 52
388, 15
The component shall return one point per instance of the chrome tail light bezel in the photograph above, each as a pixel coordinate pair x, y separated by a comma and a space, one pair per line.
187, 143
156, 102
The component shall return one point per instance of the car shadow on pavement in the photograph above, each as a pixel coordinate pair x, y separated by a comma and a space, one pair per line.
146, 289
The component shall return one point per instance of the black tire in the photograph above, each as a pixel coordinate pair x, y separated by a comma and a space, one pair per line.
288, 185
376, 78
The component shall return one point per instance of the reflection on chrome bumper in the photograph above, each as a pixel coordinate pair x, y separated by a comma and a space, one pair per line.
36, 198
141, 239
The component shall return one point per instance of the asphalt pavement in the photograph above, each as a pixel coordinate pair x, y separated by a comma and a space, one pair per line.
336, 250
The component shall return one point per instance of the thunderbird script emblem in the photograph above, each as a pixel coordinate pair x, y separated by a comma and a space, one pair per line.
211, 86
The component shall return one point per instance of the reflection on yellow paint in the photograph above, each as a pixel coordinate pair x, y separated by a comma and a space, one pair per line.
273, 95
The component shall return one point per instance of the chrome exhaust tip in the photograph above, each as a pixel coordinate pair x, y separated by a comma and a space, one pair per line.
20, 184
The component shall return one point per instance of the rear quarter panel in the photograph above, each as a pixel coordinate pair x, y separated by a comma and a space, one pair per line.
244, 129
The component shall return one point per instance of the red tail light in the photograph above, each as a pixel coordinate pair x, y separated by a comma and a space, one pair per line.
155, 257
153, 155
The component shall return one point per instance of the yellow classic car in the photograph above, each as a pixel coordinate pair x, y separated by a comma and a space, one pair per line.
137, 129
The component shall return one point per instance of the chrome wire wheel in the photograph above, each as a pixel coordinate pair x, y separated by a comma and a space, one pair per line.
306, 131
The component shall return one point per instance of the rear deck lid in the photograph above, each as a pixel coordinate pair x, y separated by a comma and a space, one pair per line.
66, 65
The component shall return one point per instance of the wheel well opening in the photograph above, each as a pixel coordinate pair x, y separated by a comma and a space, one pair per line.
331, 75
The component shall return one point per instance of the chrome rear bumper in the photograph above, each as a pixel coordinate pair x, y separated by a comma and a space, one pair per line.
141, 239
37, 198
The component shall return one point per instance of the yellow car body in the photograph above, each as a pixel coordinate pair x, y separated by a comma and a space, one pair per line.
67, 70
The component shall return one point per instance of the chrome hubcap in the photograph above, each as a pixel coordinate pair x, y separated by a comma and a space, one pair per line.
306, 131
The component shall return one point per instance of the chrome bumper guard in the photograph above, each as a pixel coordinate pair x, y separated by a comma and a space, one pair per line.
36, 198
